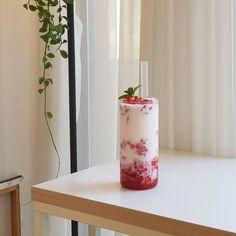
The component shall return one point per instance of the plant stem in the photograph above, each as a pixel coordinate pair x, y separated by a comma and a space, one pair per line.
45, 114
50, 131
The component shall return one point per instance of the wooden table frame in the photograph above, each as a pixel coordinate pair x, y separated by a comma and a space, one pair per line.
98, 214
84, 211
15, 208
91, 220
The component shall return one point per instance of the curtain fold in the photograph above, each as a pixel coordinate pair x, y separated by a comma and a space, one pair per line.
99, 82
129, 44
193, 75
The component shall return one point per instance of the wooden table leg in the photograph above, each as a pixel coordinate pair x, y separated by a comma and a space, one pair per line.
37, 223
15, 211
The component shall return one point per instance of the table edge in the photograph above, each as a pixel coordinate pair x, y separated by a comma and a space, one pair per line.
124, 215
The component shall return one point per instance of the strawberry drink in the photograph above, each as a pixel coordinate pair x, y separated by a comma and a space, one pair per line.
138, 142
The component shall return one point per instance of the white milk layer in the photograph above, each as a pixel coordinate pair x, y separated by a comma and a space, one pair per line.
139, 132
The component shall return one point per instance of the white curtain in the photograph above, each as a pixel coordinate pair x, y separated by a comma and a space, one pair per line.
110, 30
193, 74
129, 44
98, 82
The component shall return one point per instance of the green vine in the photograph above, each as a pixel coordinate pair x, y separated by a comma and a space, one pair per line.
53, 26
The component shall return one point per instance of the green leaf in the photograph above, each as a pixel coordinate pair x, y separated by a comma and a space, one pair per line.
49, 115
130, 92
32, 7
50, 55
54, 42
65, 27
50, 80
45, 37
41, 3
123, 96
48, 65
46, 83
40, 15
25, 6
68, 1
64, 17
60, 29
44, 59
41, 80
40, 91
46, 14
40, 9
57, 28
44, 27
135, 89
53, 3
64, 54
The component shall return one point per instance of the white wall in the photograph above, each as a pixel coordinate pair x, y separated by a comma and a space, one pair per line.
25, 147
19, 103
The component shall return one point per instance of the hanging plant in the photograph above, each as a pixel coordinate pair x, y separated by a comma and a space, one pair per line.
53, 28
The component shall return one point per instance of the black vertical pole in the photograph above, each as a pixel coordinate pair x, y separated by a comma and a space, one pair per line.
72, 101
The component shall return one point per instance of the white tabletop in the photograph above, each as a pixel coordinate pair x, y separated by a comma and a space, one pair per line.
192, 188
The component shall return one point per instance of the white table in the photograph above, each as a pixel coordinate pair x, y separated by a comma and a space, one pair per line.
196, 195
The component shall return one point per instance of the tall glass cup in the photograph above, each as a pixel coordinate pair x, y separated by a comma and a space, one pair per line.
139, 144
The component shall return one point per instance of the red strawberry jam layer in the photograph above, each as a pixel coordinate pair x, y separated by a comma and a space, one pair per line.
139, 175
137, 100
137, 186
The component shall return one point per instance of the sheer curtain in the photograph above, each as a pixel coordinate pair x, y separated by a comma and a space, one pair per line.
97, 84
189, 48
129, 44
193, 74
110, 29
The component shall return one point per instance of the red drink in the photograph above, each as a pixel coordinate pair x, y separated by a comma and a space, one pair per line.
139, 144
